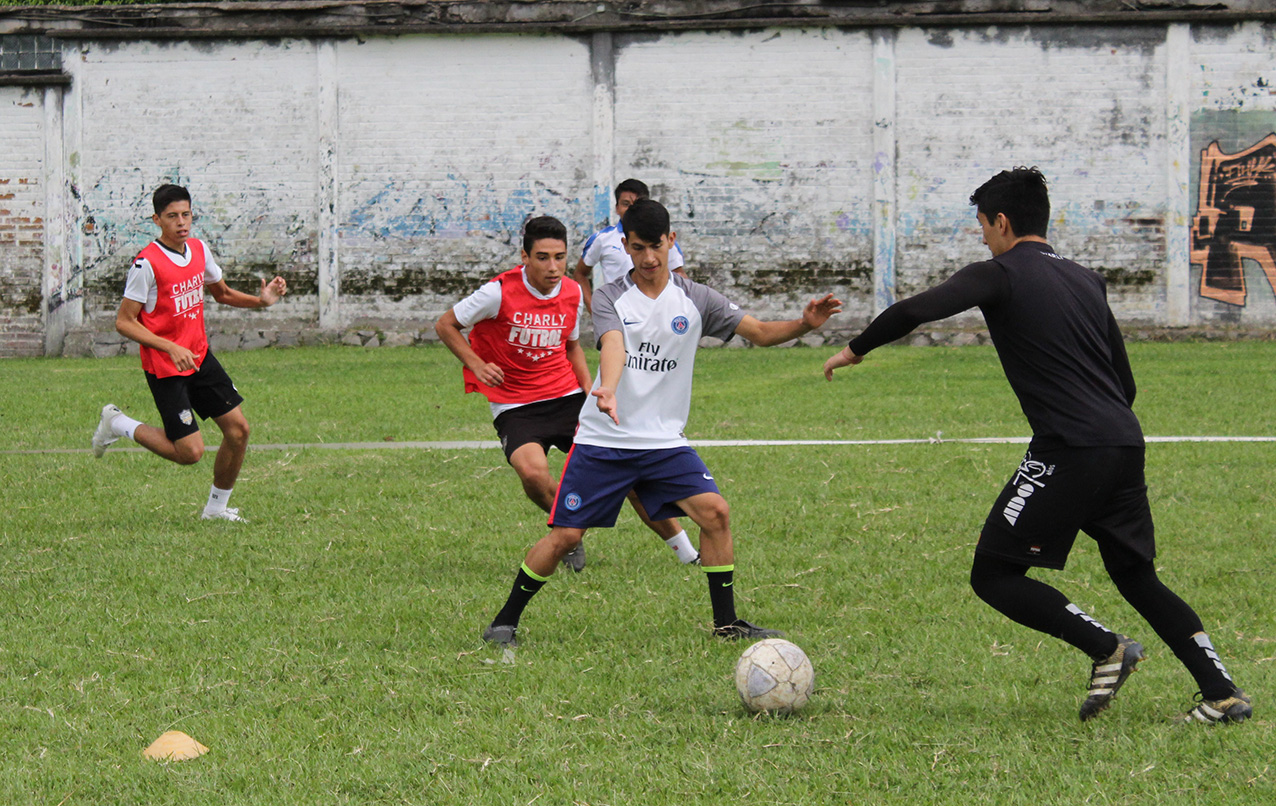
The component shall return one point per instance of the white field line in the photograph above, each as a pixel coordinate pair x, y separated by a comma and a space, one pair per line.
696, 443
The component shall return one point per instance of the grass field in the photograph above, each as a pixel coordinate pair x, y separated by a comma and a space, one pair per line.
328, 653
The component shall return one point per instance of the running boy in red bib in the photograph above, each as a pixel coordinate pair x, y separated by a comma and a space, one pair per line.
163, 311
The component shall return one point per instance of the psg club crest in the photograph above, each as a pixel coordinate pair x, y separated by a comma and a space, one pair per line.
680, 325
572, 502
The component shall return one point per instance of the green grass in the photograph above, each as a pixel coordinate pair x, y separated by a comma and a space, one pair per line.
327, 651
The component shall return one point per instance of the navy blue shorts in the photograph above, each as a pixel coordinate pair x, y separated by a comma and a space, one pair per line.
1058, 492
596, 480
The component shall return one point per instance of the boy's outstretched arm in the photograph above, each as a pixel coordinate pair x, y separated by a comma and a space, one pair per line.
770, 333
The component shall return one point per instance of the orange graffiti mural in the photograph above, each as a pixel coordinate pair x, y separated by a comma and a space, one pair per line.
1235, 218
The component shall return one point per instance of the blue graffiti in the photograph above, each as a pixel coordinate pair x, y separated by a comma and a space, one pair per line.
459, 211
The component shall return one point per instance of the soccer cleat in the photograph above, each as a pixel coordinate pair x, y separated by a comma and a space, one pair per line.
104, 435
1236, 708
503, 635
227, 514
575, 559
743, 629
1108, 675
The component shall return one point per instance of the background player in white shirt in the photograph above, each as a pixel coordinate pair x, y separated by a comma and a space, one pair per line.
604, 253
631, 434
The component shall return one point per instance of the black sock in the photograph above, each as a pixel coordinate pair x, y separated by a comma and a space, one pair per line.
1177, 624
525, 586
722, 594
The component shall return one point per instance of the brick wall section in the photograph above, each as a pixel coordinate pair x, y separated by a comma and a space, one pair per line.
21, 221
760, 142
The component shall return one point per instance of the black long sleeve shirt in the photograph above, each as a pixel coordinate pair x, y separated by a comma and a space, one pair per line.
1057, 339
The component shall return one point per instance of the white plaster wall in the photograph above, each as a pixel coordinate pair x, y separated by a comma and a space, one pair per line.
1088, 113
760, 143
235, 123
447, 145
398, 170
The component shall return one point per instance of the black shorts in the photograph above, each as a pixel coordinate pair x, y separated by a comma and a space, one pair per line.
209, 392
1057, 492
548, 422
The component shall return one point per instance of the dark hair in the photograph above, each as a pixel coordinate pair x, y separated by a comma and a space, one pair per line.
647, 219
545, 226
633, 186
1019, 194
167, 194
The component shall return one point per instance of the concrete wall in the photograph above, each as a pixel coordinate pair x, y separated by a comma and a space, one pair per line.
387, 176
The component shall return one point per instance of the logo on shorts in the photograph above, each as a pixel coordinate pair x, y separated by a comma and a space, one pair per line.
680, 325
1029, 477
186, 417
572, 502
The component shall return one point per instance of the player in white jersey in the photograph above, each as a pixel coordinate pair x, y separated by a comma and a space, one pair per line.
649, 324
604, 252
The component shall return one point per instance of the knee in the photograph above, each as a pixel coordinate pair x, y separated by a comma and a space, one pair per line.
236, 432
564, 540
716, 518
189, 454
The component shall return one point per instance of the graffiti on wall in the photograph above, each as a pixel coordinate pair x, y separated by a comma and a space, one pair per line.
1235, 218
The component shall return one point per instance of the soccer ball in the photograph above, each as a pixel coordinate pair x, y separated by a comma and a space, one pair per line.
774, 676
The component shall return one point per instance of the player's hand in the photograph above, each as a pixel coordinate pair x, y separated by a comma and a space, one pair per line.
845, 358
182, 358
607, 402
818, 311
271, 291
489, 374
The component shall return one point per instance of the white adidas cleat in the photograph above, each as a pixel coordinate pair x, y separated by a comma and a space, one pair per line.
228, 514
104, 435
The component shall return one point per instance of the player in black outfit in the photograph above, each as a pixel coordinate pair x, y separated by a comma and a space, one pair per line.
1063, 355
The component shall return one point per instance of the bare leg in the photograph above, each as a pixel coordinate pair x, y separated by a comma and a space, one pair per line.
186, 451
532, 467
230, 456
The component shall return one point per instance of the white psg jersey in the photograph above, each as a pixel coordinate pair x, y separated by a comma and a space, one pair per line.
661, 335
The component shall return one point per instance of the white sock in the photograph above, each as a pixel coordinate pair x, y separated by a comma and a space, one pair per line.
681, 545
124, 425
217, 499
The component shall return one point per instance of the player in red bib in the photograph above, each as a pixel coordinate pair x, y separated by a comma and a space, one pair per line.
524, 355
163, 311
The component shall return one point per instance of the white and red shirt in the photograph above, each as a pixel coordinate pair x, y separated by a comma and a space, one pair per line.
170, 287
525, 333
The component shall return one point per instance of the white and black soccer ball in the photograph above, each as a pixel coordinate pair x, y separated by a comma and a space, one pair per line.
774, 676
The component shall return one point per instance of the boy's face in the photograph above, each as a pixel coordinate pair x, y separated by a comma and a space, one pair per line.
545, 264
650, 259
998, 236
174, 222
626, 200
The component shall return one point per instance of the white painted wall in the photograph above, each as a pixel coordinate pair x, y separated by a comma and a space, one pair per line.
386, 177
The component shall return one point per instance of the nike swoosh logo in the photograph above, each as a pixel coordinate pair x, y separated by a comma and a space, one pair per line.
627, 322
728, 584
529, 590
707, 476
